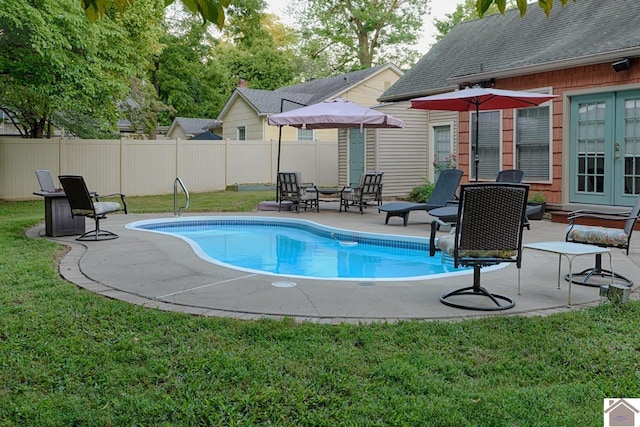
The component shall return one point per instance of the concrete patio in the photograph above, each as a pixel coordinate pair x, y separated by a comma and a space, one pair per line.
159, 271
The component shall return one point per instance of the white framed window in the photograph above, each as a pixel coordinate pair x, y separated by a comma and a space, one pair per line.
489, 144
241, 133
533, 141
306, 135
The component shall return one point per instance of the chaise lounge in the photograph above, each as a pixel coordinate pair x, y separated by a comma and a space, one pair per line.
444, 191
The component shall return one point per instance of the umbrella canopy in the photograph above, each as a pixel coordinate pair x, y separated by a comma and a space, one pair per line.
337, 113
476, 99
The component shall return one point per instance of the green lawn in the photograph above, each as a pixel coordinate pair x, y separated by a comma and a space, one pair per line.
70, 357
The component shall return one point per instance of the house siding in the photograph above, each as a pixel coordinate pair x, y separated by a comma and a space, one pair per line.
591, 79
242, 114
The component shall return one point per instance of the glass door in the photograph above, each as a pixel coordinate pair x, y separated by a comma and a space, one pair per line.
605, 148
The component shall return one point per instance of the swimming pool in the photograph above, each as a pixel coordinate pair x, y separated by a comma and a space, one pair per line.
303, 249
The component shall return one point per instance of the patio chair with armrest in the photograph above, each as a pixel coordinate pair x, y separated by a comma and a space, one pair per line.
443, 193
83, 203
602, 236
369, 189
293, 190
489, 228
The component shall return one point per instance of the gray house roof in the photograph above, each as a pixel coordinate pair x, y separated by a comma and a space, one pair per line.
497, 46
192, 126
267, 102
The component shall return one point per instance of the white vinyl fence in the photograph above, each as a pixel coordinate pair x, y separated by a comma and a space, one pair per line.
146, 167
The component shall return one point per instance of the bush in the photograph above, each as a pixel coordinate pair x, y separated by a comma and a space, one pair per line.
421, 193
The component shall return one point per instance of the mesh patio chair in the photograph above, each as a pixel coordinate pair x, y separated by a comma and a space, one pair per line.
369, 189
293, 190
46, 181
604, 237
83, 203
489, 228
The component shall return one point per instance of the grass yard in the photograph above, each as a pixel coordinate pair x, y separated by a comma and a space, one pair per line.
70, 357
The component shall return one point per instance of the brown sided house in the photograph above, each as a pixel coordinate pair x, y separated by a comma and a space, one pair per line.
581, 149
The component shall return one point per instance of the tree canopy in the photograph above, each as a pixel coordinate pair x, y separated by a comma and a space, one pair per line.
483, 6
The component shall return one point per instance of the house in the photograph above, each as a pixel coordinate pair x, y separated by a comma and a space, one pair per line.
583, 148
187, 128
620, 413
244, 115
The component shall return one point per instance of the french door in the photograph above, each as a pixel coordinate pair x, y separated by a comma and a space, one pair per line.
356, 155
605, 148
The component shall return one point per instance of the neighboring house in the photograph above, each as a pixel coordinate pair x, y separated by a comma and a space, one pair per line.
244, 116
187, 128
581, 149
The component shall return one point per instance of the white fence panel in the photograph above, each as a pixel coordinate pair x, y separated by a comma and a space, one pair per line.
201, 165
148, 167
249, 162
145, 167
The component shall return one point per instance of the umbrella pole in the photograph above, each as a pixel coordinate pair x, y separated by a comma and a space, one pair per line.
278, 164
477, 153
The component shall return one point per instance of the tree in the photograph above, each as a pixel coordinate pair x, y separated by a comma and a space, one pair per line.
210, 10
58, 69
356, 34
465, 12
483, 6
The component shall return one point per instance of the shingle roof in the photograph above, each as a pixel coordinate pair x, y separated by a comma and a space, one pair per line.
192, 126
268, 102
587, 30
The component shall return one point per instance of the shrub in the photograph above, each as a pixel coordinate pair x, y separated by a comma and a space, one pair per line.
421, 193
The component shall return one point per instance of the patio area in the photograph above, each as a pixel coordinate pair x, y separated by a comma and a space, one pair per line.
159, 271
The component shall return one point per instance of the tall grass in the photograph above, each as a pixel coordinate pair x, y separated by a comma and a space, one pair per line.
71, 357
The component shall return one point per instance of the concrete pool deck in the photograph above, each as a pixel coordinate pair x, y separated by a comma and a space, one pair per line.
160, 271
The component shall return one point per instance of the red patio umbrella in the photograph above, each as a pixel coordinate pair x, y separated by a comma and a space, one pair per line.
476, 99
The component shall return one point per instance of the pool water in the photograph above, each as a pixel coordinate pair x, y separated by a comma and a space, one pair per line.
298, 248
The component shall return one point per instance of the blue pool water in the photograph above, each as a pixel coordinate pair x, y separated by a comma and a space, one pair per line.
299, 248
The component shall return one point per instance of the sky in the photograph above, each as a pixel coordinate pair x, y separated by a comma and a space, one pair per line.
438, 10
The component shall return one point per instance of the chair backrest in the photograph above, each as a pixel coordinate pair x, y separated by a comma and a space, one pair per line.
370, 183
491, 217
510, 175
633, 217
46, 181
446, 187
289, 183
78, 194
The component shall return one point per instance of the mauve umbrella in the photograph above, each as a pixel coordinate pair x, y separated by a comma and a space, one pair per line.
476, 99
337, 113
334, 114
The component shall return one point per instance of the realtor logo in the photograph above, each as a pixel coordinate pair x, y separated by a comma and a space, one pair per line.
622, 412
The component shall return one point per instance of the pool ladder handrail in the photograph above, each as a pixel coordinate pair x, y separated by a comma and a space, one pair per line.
177, 211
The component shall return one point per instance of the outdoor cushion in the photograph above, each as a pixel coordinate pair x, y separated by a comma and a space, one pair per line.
447, 245
596, 235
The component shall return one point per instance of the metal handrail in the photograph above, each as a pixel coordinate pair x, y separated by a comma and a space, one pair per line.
177, 211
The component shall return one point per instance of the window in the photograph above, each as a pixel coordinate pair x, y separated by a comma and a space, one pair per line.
305, 135
442, 144
489, 131
242, 133
533, 142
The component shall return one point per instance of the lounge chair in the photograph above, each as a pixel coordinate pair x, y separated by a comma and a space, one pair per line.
443, 192
82, 203
491, 218
293, 190
602, 236
46, 181
369, 189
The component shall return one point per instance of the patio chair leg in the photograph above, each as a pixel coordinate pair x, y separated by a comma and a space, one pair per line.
597, 270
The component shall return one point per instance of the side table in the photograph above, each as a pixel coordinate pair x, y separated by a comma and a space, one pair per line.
569, 250
57, 215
